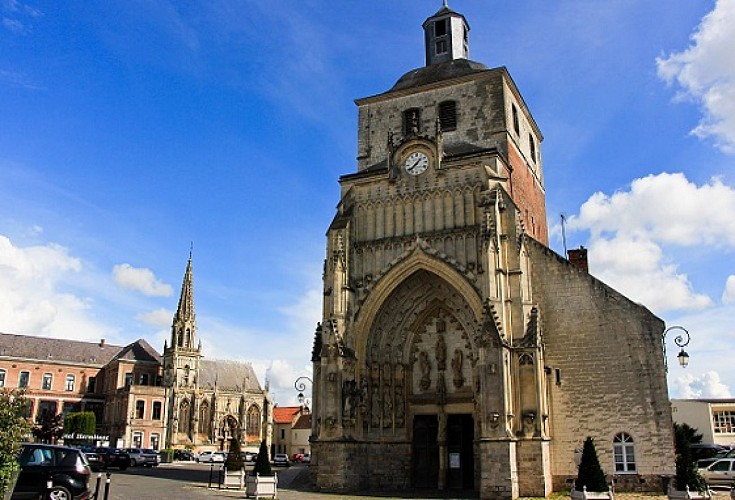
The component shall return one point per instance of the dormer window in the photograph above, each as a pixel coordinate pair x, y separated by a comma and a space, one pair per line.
448, 115
411, 121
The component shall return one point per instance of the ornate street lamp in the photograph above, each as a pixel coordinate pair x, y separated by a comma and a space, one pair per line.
680, 340
300, 385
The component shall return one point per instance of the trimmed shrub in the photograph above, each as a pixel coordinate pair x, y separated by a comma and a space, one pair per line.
234, 459
263, 463
590, 473
686, 469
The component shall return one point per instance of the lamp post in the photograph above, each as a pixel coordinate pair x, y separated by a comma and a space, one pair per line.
300, 385
680, 340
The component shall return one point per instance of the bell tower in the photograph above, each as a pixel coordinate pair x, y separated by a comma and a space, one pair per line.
446, 34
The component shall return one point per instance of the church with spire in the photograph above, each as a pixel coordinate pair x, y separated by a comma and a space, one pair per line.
456, 350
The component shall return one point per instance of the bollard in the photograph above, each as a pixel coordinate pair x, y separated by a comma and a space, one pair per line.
107, 486
97, 486
211, 468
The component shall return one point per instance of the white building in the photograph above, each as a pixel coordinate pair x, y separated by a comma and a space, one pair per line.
713, 418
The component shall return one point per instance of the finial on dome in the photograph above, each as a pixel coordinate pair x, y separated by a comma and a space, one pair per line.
445, 3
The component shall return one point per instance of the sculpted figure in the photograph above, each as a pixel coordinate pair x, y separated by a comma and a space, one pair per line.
425, 370
441, 354
457, 368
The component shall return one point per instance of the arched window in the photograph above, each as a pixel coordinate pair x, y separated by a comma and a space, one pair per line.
204, 418
184, 417
253, 422
180, 338
624, 453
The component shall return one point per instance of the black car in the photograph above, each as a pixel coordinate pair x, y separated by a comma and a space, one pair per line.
183, 455
53, 472
114, 457
96, 462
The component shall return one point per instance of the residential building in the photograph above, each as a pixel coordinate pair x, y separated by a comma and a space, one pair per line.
713, 418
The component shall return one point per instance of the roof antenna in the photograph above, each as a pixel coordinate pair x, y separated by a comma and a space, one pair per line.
564, 235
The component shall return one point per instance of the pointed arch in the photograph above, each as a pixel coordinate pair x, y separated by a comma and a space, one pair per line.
185, 416
204, 418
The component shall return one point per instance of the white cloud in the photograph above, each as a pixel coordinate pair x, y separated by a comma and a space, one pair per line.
633, 231
728, 296
160, 318
32, 299
141, 279
705, 71
706, 385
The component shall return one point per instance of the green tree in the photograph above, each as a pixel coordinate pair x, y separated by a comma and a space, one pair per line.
263, 463
686, 469
234, 459
14, 425
590, 473
49, 428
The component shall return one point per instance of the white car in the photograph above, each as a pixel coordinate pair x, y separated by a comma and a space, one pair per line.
212, 456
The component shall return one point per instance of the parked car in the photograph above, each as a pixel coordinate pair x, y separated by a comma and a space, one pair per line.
306, 459
248, 456
144, 457
96, 462
183, 455
114, 457
281, 460
705, 462
297, 457
212, 456
67, 469
720, 473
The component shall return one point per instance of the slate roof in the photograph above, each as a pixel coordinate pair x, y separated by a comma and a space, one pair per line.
58, 350
438, 72
227, 375
140, 350
304, 422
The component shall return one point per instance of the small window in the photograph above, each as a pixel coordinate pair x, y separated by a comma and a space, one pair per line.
516, 125
128, 379
91, 384
156, 410
448, 115
440, 27
624, 453
155, 441
2, 378
283, 433
70, 382
46, 383
137, 439
139, 408
532, 147
23, 379
411, 121
441, 47
723, 421
143, 379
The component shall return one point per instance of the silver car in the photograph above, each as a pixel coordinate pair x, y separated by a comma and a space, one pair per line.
720, 473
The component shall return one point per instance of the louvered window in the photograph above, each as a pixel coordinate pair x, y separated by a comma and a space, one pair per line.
448, 115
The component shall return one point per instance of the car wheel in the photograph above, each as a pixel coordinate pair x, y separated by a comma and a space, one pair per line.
59, 493
132, 462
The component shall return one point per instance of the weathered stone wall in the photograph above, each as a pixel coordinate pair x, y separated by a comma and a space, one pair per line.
606, 371
362, 466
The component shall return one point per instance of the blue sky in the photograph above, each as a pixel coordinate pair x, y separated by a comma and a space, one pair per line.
129, 129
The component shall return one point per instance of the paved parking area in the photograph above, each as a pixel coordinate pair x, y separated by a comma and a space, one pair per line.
188, 480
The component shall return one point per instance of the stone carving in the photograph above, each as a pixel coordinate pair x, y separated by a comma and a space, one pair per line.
425, 370
350, 395
375, 406
441, 353
400, 410
457, 361
441, 389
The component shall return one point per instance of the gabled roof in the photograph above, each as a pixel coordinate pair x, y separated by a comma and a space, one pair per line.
140, 350
227, 375
58, 350
304, 422
285, 414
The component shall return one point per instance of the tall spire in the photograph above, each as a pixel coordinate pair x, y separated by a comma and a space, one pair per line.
183, 330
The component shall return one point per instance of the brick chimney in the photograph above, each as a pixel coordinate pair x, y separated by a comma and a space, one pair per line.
578, 258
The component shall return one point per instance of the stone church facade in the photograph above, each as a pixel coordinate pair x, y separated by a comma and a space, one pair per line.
456, 350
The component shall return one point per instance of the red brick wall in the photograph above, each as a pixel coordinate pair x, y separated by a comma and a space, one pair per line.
529, 196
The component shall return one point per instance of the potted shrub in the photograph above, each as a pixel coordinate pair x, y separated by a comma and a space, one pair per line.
689, 483
262, 481
234, 467
591, 482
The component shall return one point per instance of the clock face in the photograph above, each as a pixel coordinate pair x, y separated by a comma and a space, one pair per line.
416, 163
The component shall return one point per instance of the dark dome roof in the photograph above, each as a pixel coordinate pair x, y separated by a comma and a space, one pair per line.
438, 72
